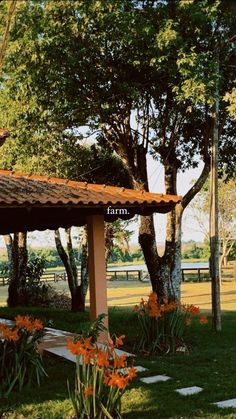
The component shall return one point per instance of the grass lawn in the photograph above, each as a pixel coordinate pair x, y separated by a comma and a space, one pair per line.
211, 364
129, 293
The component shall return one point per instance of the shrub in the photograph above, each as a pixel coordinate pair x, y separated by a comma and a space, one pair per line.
101, 378
32, 290
20, 361
162, 325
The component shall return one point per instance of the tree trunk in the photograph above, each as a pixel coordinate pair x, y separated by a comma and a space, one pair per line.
71, 270
147, 242
18, 263
9, 246
147, 237
66, 262
214, 220
169, 267
83, 287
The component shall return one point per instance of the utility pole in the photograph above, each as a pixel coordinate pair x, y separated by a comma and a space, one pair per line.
214, 215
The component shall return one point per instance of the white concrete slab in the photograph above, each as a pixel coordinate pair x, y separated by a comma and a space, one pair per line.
155, 379
63, 352
226, 403
189, 391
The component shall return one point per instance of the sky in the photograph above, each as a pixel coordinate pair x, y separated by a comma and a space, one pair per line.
191, 230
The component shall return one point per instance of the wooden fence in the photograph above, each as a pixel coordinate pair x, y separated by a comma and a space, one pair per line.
140, 275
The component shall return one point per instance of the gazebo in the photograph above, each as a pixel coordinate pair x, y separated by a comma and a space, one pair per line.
32, 202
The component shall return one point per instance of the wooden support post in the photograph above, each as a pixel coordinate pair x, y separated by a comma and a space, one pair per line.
97, 267
199, 275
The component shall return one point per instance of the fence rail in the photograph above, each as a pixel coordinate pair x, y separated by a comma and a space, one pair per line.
128, 275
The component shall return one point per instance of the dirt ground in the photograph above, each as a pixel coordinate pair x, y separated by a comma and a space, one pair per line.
122, 293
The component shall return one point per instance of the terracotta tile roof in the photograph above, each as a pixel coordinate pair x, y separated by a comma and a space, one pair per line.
22, 189
32, 202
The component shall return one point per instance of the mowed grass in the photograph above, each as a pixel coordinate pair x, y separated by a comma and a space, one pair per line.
129, 293
210, 364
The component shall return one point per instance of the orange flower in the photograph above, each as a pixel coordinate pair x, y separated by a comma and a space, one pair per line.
38, 324
9, 334
119, 340
203, 320
24, 322
102, 359
87, 343
119, 361
117, 380
106, 379
167, 307
184, 308
88, 391
132, 373
188, 321
153, 297
154, 311
76, 348
195, 311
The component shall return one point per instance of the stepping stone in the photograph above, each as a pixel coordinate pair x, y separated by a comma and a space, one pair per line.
226, 403
188, 391
139, 368
155, 379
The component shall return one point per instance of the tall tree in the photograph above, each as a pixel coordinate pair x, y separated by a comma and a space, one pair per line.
146, 89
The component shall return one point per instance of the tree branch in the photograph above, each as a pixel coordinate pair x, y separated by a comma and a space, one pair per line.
197, 185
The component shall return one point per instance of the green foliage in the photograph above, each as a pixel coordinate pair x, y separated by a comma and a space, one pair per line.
230, 97
4, 269
195, 252
32, 290
232, 253
74, 64
94, 329
20, 362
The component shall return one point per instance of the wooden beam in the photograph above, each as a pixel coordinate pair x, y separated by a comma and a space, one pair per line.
97, 267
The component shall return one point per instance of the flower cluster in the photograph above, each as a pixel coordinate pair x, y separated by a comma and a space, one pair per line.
22, 323
101, 377
163, 323
153, 308
104, 359
20, 361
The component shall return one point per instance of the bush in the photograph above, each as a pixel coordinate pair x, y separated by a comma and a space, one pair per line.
32, 290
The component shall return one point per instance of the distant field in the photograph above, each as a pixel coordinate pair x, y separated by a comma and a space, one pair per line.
122, 293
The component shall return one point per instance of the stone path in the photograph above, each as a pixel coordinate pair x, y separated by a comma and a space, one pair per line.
188, 391
155, 379
55, 342
226, 403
